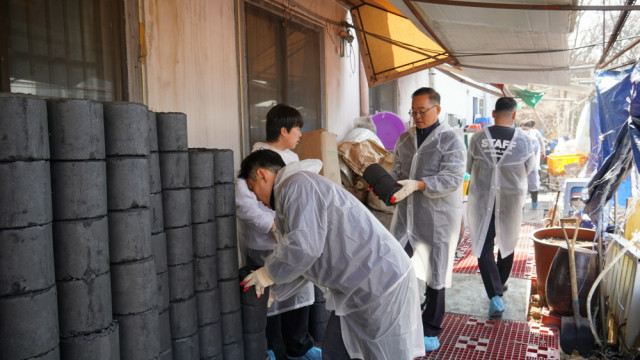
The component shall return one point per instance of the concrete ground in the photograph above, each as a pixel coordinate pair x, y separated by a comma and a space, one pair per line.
467, 295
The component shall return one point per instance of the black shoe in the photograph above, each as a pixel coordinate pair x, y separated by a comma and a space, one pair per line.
505, 287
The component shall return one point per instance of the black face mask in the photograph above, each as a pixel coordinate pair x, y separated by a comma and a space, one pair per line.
272, 201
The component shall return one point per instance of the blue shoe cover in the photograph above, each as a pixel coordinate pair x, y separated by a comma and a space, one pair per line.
496, 307
271, 355
534, 205
313, 354
431, 343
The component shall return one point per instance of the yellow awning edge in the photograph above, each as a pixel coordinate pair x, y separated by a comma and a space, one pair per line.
391, 46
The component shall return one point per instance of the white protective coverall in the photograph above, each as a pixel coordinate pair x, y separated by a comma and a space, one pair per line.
331, 239
501, 183
533, 179
255, 221
431, 219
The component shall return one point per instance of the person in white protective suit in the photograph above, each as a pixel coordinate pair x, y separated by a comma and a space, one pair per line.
499, 159
288, 321
533, 179
329, 238
430, 164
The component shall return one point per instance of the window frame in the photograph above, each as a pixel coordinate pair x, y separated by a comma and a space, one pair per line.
310, 23
128, 69
377, 91
477, 107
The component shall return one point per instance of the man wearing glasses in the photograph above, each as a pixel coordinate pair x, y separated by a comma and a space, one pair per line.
430, 161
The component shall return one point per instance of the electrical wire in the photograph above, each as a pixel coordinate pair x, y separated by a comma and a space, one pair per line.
352, 59
622, 252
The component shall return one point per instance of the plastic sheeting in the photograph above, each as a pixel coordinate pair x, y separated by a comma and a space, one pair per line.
498, 183
608, 178
431, 217
619, 109
332, 240
613, 89
583, 135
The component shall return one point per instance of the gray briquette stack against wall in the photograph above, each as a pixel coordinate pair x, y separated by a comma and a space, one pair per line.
227, 241
28, 304
80, 230
254, 320
203, 212
159, 242
176, 201
133, 269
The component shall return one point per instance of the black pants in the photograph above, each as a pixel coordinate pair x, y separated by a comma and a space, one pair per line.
332, 346
494, 274
433, 307
288, 333
433, 313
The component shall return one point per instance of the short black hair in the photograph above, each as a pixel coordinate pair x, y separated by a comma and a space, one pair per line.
506, 105
434, 97
281, 116
261, 159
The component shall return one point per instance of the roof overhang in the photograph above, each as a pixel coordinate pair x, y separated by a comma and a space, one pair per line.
493, 43
519, 42
391, 45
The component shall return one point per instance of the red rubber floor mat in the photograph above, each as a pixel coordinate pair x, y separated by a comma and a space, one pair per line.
468, 337
523, 262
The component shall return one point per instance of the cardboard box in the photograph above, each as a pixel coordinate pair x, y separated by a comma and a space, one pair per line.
321, 144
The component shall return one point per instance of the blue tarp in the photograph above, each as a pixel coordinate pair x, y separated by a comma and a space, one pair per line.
612, 91
616, 128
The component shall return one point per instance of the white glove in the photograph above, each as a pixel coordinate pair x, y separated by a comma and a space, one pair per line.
272, 298
408, 187
259, 279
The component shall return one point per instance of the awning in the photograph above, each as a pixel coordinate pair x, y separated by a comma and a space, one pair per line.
500, 43
391, 46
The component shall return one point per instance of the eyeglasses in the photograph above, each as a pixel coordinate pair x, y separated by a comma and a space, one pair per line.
420, 113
